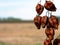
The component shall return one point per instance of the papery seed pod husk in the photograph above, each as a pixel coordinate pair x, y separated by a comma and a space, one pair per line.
49, 31
50, 6
39, 9
53, 22
51, 37
44, 21
37, 21
47, 42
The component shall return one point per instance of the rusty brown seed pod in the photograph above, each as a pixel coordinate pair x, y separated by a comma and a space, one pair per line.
50, 6
44, 21
37, 21
53, 22
47, 42
39, 9
51, 37
49, 31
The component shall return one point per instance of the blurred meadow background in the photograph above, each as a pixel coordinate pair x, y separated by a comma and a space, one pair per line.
16, 22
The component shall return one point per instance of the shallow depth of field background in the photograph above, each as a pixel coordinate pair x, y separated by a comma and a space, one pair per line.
16, 22
22, 33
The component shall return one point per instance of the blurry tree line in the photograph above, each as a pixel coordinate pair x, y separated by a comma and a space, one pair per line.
58, 18
12, 19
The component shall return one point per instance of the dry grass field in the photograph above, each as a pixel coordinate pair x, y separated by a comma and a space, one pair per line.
22, 34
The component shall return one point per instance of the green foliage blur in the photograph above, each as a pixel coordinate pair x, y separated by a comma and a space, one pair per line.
12, 19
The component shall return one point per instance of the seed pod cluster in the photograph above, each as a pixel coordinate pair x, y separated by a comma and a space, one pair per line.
46, 22
50, 23
48, 6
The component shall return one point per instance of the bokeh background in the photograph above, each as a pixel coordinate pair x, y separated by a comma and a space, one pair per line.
24, 9
16, 22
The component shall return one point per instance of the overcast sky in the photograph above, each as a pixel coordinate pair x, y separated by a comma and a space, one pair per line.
24, 9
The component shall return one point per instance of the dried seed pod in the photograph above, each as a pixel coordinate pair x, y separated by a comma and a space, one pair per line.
37, 21
50, 6
53, 22
49, 31
44, 21
39, 9
51, 37
48, 25
47, 42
